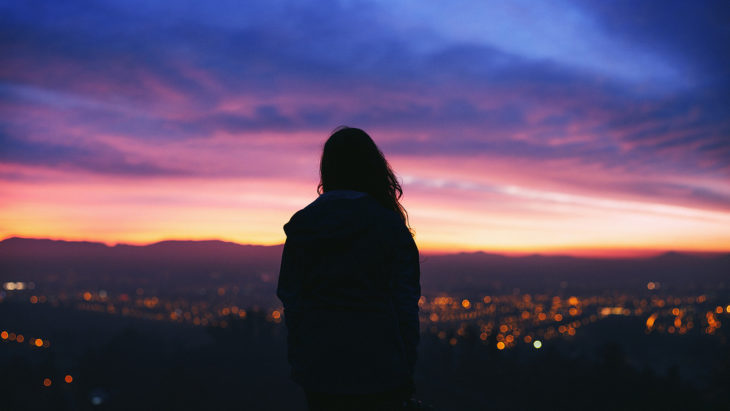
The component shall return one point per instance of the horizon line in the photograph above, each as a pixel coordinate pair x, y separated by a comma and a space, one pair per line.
575, 252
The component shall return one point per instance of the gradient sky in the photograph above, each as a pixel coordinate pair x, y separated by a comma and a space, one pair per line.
522, 126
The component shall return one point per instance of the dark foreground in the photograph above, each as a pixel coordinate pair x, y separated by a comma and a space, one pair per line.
123, 363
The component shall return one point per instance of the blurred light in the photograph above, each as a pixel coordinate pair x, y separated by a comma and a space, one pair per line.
650, 285
487, 299
276, 315
537, 344
11, 286
558, 317
11, 336
433, 317
46, 343
675, 311
20, 338
453, 341
573, 300
38, 342
87, 296
68, 378
47, 382
528, 339
503, 328
465, 303
500, 345
650, 321
483, 336
718, 309
4, 335
727, 309
33, 299
542, 316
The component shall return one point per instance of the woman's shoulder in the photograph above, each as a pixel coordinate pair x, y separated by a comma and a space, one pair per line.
339, 205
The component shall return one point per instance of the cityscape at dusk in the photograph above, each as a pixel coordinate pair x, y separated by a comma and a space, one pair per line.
565, 168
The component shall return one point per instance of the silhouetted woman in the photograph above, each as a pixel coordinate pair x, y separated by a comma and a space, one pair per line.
349, 282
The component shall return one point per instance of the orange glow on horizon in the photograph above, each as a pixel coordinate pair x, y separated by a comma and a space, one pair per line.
461, 216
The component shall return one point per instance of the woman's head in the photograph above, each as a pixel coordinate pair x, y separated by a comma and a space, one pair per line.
352, 161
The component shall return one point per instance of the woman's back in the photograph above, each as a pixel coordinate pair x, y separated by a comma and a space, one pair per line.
349, 283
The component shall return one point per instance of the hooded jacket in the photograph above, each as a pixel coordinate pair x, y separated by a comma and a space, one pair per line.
349, 283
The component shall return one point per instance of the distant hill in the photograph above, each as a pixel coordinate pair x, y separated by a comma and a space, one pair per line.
162, 265
198, 263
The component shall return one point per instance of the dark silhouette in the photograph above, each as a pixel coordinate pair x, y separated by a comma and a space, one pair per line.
349, 282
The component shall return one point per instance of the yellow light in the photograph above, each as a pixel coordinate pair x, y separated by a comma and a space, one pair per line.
38, 342
500, 345
465, 303
68, 378
727, 309
47, 382
537, 344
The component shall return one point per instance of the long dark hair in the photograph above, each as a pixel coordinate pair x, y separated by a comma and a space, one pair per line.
352, 161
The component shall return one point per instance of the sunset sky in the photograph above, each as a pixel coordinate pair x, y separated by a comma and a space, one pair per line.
579, 127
